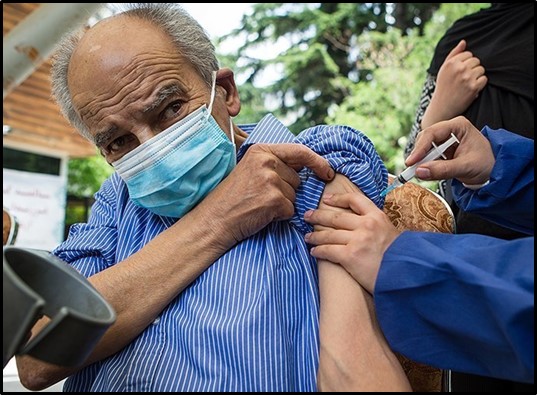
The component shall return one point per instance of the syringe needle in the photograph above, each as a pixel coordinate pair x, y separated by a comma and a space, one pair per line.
409, 173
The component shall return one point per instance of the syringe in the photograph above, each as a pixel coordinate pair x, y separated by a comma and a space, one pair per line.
409, 173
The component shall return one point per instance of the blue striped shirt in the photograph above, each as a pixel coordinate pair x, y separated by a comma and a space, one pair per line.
250, 321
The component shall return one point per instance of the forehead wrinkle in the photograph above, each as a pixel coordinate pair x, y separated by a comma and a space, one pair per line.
108, 99
136, 73
143, 66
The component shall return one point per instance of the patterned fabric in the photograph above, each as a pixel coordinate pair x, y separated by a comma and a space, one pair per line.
425, 98
250, 321
10, 228
413, 207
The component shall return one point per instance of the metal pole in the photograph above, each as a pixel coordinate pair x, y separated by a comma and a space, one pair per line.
32, 41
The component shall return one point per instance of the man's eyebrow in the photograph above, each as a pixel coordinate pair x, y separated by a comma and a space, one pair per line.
101, 139
163, 94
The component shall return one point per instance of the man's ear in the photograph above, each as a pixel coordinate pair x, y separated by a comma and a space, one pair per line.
225, 79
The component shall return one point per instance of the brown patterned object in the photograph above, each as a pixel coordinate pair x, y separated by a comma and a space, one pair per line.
413, 207
10, 227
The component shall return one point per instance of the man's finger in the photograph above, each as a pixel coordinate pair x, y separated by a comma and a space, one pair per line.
288, 191
472, 62
298, 156
287, 174
463, 57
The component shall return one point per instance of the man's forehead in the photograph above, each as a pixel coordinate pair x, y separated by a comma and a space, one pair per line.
101, 65
121, 38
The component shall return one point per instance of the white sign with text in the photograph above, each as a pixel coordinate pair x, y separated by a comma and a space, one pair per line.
37, 201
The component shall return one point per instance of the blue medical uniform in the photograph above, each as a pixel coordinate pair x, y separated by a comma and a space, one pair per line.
466, 302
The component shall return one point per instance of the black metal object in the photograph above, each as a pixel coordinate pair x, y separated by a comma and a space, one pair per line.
36, 284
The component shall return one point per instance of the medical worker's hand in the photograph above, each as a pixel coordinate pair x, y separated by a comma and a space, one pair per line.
357, 241
471, 161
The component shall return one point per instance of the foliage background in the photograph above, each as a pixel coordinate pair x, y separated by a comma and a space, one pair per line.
359, 64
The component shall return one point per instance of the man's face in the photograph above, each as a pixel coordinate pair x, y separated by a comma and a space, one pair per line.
128, 83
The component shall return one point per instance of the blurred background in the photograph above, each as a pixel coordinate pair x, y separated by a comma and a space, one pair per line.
359, 64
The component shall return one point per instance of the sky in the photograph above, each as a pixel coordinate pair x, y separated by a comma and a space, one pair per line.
218, 19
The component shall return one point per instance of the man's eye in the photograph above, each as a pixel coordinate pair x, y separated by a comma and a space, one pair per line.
172, 111
117, 144
122, 145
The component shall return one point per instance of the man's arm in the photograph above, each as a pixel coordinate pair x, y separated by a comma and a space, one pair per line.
141, 286
461, 302
354, 355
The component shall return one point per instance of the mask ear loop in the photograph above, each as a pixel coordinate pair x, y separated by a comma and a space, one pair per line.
213, 93
210, 108
231, 132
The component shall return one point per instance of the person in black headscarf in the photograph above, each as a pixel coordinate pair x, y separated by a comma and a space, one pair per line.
498, 51
501, 39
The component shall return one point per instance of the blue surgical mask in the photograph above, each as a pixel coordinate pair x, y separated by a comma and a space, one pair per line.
173, 171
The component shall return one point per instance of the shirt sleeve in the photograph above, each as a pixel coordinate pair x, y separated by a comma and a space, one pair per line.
461, 302
508, 199
90, 247
350, 153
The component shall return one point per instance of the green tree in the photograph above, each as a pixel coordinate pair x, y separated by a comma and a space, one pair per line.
86, 175
384, 106
320, 51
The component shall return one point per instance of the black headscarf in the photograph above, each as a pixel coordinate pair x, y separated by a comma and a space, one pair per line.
501, 36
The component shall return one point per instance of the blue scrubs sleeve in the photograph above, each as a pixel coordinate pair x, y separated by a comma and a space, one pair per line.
469, 310
508, 199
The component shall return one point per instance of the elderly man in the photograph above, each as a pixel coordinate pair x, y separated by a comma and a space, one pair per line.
202, 257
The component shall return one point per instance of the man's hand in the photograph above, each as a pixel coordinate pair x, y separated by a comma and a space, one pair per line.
357, 241
261, 188
460, 79
471, 161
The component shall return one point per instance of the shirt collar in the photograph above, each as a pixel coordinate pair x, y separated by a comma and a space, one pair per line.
267, 131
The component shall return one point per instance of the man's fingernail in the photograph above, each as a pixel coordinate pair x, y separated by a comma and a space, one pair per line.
331, 174
423, 173
307, 236
308, 214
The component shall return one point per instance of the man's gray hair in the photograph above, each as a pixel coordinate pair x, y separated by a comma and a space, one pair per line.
185, 32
